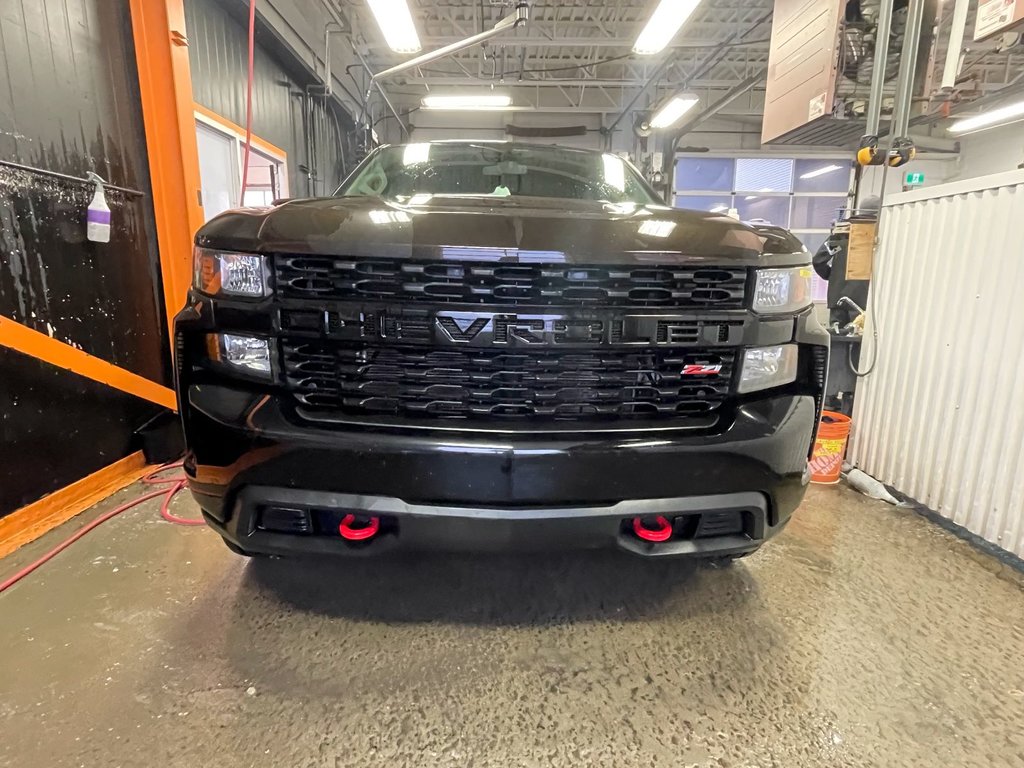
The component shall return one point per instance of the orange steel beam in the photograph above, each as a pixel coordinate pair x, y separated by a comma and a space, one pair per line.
29, 523
165, 85
22, 339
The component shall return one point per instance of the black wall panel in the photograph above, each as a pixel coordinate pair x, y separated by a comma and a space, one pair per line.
314, 134
69, 103
56, 427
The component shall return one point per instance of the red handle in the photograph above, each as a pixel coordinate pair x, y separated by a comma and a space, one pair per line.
358, 534
662, 533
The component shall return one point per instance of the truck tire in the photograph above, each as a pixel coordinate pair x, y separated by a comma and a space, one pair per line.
726, 561
237, 549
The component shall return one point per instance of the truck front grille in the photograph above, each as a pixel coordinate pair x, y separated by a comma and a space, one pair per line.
359, 379
440, 282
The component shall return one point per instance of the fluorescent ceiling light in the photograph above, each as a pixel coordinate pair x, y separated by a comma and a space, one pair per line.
469, 101
614, 172
666, 20
720, 209
820, 171
989, 119
673, 109
395, 22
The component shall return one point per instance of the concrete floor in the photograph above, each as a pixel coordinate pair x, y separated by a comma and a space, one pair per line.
864, 636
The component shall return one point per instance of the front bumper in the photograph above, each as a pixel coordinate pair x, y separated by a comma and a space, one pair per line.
478, 491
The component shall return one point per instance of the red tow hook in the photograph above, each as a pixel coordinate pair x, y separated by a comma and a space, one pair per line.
663, 531
362, 532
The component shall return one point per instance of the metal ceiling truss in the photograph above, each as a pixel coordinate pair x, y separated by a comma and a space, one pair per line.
576, 55
560, 61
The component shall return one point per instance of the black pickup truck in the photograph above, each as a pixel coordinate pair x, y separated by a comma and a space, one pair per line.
490, 345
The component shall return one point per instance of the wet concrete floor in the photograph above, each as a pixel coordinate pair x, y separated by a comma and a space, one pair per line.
863, 636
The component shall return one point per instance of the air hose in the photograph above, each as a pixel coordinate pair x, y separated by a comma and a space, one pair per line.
168, 487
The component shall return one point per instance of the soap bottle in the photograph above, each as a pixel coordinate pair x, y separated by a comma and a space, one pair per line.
97, 221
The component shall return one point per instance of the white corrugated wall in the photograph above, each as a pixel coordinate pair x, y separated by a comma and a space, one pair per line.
941, 419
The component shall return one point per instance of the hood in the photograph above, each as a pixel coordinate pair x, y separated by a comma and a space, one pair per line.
510, 230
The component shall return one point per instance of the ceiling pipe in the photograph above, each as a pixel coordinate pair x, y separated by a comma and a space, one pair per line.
513, 20
328, 31
956, 43
721, 103
655, 76
707, 65
882, 34
381, 91
908, 62
672, 141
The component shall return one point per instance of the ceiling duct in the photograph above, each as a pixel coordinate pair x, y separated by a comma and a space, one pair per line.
538, 132
820, 69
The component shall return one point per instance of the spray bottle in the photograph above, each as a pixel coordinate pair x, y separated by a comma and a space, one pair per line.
97, 221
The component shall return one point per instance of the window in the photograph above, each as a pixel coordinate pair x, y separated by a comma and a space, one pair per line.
498, 170
263, 185
218, 170
816, 212
822, 176
802, 194
764, 174
711, 174
764, 210
711, 203
221, 146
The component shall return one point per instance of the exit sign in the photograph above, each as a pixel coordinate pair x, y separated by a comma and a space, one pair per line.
915, 179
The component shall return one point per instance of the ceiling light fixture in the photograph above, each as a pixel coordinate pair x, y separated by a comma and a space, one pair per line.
820, 171
990, 119
667, 19
671, 111
481, 101
395, 22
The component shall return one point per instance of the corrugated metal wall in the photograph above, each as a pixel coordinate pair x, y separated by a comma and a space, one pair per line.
316, 134
942, 419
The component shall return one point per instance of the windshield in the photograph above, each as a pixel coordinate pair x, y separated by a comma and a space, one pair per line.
497, 170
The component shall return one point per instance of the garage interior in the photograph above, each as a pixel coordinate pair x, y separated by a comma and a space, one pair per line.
882, 627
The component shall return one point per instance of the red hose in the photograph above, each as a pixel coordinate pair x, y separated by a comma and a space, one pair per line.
168, 488
248, 100
175, 484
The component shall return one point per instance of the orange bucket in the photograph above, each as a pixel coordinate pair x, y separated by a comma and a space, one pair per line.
829, 448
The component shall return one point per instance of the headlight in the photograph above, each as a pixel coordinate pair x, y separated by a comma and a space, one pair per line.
220, 273
247, 354
782, 290
766, 367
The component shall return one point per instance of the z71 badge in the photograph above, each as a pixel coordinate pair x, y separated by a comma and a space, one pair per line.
701, 370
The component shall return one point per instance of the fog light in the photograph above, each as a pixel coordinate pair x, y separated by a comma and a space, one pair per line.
250, 354
766, 367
